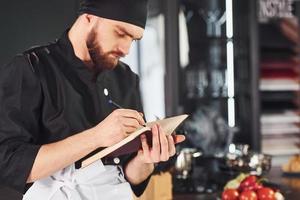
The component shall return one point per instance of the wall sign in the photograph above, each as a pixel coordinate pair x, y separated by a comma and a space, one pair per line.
269, 9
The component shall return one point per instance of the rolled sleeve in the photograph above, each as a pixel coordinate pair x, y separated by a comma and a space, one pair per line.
20, 99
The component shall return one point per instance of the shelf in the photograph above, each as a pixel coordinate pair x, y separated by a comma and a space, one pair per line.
280, 90
207, 98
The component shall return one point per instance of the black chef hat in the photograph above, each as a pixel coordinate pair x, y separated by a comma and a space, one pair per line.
130, 11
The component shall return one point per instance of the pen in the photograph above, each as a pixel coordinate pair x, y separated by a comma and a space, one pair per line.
118, 106
114, 103
106, 93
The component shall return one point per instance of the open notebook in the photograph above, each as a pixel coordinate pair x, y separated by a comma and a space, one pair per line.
132, 143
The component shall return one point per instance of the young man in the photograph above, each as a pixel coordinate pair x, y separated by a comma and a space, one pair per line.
54, 113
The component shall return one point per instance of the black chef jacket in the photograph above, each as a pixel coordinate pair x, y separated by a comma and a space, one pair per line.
48, 94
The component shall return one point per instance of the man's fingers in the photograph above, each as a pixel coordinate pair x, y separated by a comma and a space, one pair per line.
131, 114
172, 149
179, 138
155, 151
129, 129
164, 148
130, 122
141, 114
145, 146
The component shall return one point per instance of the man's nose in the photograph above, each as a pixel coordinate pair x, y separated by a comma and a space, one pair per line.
124, 47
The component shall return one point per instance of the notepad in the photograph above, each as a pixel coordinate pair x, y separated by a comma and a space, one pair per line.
132, 142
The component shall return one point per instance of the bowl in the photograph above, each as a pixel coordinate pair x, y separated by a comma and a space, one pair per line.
252, 163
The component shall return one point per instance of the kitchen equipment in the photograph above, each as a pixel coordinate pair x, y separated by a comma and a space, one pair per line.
185, 161
240, 159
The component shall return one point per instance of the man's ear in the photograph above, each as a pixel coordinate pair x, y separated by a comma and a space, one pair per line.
88, 17
91, 19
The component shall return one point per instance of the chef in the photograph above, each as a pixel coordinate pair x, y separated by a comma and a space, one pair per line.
54, 113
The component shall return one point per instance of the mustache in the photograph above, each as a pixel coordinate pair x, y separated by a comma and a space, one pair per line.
117, 54
95, 51
102, 60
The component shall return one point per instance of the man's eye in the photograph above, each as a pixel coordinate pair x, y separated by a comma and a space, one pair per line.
121, 34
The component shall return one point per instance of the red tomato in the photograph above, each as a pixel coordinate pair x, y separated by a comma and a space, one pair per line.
248, 195
266, 193
230, 194
249, 181
254, 187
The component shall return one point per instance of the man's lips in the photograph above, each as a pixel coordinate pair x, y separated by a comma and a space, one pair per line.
117, 55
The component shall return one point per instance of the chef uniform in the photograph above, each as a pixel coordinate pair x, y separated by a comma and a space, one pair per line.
47, 94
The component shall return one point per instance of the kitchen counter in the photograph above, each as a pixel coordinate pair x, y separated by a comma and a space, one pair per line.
289, 186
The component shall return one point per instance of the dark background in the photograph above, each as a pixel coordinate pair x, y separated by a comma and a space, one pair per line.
32, 22
28, 23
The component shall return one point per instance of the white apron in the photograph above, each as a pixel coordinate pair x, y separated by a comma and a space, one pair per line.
95, 182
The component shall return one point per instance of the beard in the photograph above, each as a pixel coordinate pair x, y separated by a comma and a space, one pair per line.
100, 60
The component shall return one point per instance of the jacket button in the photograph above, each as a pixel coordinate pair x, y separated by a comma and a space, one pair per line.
116, 160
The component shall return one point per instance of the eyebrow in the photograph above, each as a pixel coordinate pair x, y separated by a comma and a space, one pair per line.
127, 33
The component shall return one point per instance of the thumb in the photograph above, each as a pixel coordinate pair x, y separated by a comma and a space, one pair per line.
179, 138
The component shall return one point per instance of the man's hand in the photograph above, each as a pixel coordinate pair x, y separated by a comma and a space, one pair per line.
142, 165
163, 147
55, 156
116, 126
